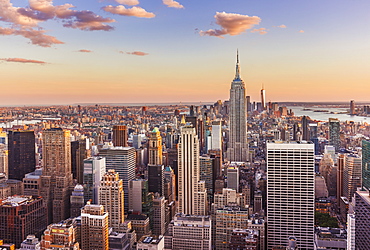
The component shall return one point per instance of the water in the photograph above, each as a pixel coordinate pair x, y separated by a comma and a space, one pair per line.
324, 116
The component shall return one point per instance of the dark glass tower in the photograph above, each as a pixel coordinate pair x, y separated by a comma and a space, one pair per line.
366, 164
21, 159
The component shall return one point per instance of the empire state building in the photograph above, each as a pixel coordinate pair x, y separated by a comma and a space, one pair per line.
237, 149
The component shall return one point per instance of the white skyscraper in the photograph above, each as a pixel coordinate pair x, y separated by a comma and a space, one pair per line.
216, 137
290, 194
237, 149
192, 191
263, 98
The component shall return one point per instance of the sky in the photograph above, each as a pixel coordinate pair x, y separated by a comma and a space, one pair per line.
156, 51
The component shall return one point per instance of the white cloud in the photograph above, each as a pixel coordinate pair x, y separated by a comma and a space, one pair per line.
123, 11
172, 4
128, 2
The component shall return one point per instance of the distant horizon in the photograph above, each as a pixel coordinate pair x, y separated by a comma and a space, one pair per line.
288, 103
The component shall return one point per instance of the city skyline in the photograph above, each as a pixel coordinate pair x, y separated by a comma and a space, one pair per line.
168, 51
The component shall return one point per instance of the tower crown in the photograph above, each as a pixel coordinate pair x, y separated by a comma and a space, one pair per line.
237, 71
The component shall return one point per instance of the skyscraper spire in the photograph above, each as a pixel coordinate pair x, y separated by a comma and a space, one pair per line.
237, 73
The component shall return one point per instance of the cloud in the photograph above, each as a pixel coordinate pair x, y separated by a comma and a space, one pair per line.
37, 37
301, 31
9, 13
84, 50
172, 4
136, 53
262, 31
282, 26
88, 20
231, 24
22, 60
123, 11
128, 2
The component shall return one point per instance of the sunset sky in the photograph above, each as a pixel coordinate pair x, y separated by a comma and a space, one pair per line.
148, 51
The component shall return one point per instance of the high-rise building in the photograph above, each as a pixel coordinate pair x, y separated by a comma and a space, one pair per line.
169, 187
352, 108
21, 153
340, 173
121, 159
32, 183
94, 169
192, 191
366, 164
290, 193
334, 133
158, 219
61, 235
120, 135
155, 163
56, 178
228, 219
216, 136
111, 196
78, 154
94, 228
189, 232
140, 199
77, 200
263, 98
21, 216
351, 175
305, 128
233, 177
362, 221
237, 146
244, 239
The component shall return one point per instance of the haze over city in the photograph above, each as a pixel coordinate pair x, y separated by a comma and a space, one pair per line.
128, 51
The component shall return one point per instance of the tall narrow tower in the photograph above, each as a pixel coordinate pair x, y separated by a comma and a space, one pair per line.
237, 147
155, 167
263, 98
192, 191
120, 135
56, 178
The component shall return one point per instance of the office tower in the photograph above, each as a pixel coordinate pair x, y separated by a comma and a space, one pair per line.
140, 199
351, 231
136, 141
4, 160
296, 131
94, 169
334, 133
140, 224
362, 222
158, 219
78, 154
233, 177
31, 243
352, 108
111, 196
249, 105
228, 219
61, 235
340, 173
155, 163
216, 142
32, 183
305, 128
244, 239
192, 191
189, 232
119, 241
257, 202
77, 200
207, 174
121, 159
227, 197
366, 164
263, 98
169, 187
21, 153
290, 194
21, 216
120, 135
351, 175
94, 228
56, 178
237, 146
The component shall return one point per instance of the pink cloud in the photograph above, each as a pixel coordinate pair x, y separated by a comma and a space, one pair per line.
301, 31
22, 60
136, 53
282, 26
123, 11
231, 24
172, 4
128, 2
9, 13
262, 31
85, 51
37, 37
88, 20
